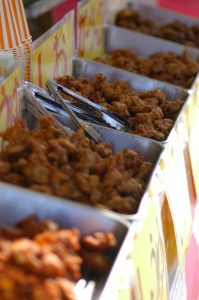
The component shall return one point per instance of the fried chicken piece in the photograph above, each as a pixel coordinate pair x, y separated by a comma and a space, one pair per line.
104, 150
121, 109
157, 94
148, 130
5, 248
54, 289
89, 184
147, 118
163, 125
112, 178
42, 188
16, 284
4, 167
131, 159
95, 260
11, 233
127, 18
122, 52
45, 259
17, 134
99, 241
31, 226
144, 171
36, 172
70, 238
14, 178
171, 108
119, 203
130, 187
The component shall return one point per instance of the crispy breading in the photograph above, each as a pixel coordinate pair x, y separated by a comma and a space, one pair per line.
142, 108
178, 69
72, 167
38, 260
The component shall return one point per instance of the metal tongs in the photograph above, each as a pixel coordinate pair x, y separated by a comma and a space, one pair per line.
108, 116
43, 97
39, 110
88, 129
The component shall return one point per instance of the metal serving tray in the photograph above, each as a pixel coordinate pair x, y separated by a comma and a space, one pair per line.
149, 149
85, 68
18, 203
142, 44
160, 16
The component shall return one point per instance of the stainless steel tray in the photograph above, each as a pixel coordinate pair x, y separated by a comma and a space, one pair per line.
17, 203
159, 15
141, 44
149, 149
85, 68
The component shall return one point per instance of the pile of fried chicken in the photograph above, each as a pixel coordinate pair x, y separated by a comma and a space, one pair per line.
40, 261
72, 166
149, 114
178, 69
176, 31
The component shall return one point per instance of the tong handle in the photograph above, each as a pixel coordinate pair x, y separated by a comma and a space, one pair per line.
60, 100
89, 104
38, 109
79, 97
89, 130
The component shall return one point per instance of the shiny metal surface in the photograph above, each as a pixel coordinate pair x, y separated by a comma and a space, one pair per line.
142, 44
87, 128
31, 91
17, 203
110, 117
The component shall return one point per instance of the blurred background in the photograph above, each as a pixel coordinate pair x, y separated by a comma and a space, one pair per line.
42, 14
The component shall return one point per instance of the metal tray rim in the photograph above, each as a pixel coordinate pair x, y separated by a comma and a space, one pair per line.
107, 213
192, 51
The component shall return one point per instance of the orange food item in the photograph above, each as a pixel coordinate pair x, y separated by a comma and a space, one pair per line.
47, 265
